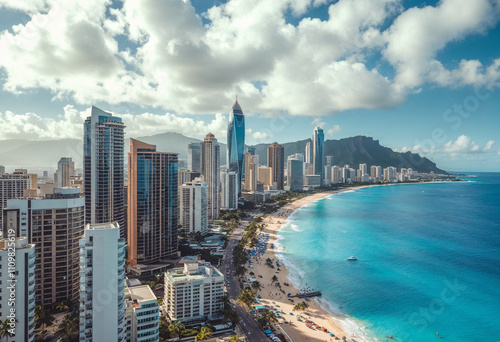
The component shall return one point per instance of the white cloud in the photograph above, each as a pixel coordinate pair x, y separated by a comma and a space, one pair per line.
453, 148
161, 54
256, 135
31, 126
334, 130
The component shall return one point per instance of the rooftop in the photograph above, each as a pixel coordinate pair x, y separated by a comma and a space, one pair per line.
143, 293
109, 225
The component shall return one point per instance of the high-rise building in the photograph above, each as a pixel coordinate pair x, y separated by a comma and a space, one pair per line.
2, 169
103, 163
329, 160
373, 172
65, 170
102, 283
194, 292
307, 155
363, 173
295, 172
187, 176
193, 162
265, 174
141, 314
54, 223
210, 169
229, 190
193, 206
12, 185
276, 161
318, 152
152, 216
236, 142
251, 171
335, 174
18, 310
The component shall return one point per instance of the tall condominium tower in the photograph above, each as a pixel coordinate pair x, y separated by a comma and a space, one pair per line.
103, 162
319, 152
236, 142
276, 161
152, 203
102, 283
193, 206
193, 157
251, 171
65, 170
295, 172
22, 270
210, 169
229, 190
54, 223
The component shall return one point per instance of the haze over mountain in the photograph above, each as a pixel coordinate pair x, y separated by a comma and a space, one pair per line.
351, 151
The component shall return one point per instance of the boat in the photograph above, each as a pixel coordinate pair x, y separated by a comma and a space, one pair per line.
352, 258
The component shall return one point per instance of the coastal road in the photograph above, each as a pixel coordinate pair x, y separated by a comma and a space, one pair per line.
247, 324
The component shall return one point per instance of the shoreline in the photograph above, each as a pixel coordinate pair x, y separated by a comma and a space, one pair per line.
271, 295
319, 311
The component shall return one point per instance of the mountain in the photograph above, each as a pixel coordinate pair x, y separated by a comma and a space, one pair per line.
352, 151
357, 150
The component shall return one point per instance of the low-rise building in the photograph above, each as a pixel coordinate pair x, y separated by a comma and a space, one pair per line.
142, 315
194, 292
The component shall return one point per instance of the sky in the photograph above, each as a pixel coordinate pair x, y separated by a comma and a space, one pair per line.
420, 76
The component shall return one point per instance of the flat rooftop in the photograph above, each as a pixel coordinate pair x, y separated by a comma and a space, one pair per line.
141, 293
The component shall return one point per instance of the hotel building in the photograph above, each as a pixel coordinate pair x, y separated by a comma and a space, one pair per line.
102, 283
276, 161
193, 206
210, 169
194, 292
142, 315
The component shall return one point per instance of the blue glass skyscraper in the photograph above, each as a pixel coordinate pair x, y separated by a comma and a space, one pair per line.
236, 142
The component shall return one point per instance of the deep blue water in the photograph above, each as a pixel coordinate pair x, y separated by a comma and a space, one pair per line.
429, 258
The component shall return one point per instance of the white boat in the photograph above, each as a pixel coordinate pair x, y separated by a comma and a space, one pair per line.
352, 258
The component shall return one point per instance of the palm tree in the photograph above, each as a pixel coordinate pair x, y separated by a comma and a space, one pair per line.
300, 306
69, 328
175, 328
164, 332
273, 279
204, 334
43, 318
5, 330
269, 316
256, 285
62, 306
239, 271
246, 297
234, 338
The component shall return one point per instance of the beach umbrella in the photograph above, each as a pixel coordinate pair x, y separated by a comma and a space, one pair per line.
291, 313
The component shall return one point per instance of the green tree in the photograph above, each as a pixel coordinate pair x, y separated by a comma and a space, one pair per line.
269, 316
234, 338
43, 318
175, 328
239, 271
204, 334
300, 306
273, 279
246, 297
164, 331
69, 328
5, 330
256, 285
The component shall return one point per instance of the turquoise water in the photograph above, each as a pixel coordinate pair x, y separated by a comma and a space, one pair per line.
429, 258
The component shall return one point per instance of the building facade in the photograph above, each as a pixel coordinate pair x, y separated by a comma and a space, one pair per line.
276, 161
65, 170
152, 203
193, 162
103, 169
55, 224
210, 169
12, 185
193, 206
229, 190
19, 312
102, 283
194, 292
251, 172
295, 172
236, 142
318, 152
142, 315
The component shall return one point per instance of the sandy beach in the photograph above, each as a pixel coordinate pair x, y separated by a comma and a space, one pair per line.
271, 294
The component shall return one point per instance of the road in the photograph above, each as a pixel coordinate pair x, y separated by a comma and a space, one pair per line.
247, 324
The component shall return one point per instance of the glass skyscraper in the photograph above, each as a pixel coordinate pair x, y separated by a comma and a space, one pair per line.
236, 142
103, 163
152, 203
319, 153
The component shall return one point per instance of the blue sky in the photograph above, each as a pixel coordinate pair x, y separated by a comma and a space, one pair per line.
419, 76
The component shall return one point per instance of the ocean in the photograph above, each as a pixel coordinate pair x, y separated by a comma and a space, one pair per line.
429, 259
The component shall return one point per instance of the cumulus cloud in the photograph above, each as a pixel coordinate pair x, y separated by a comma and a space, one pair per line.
453, 148
334, 130
164, 54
